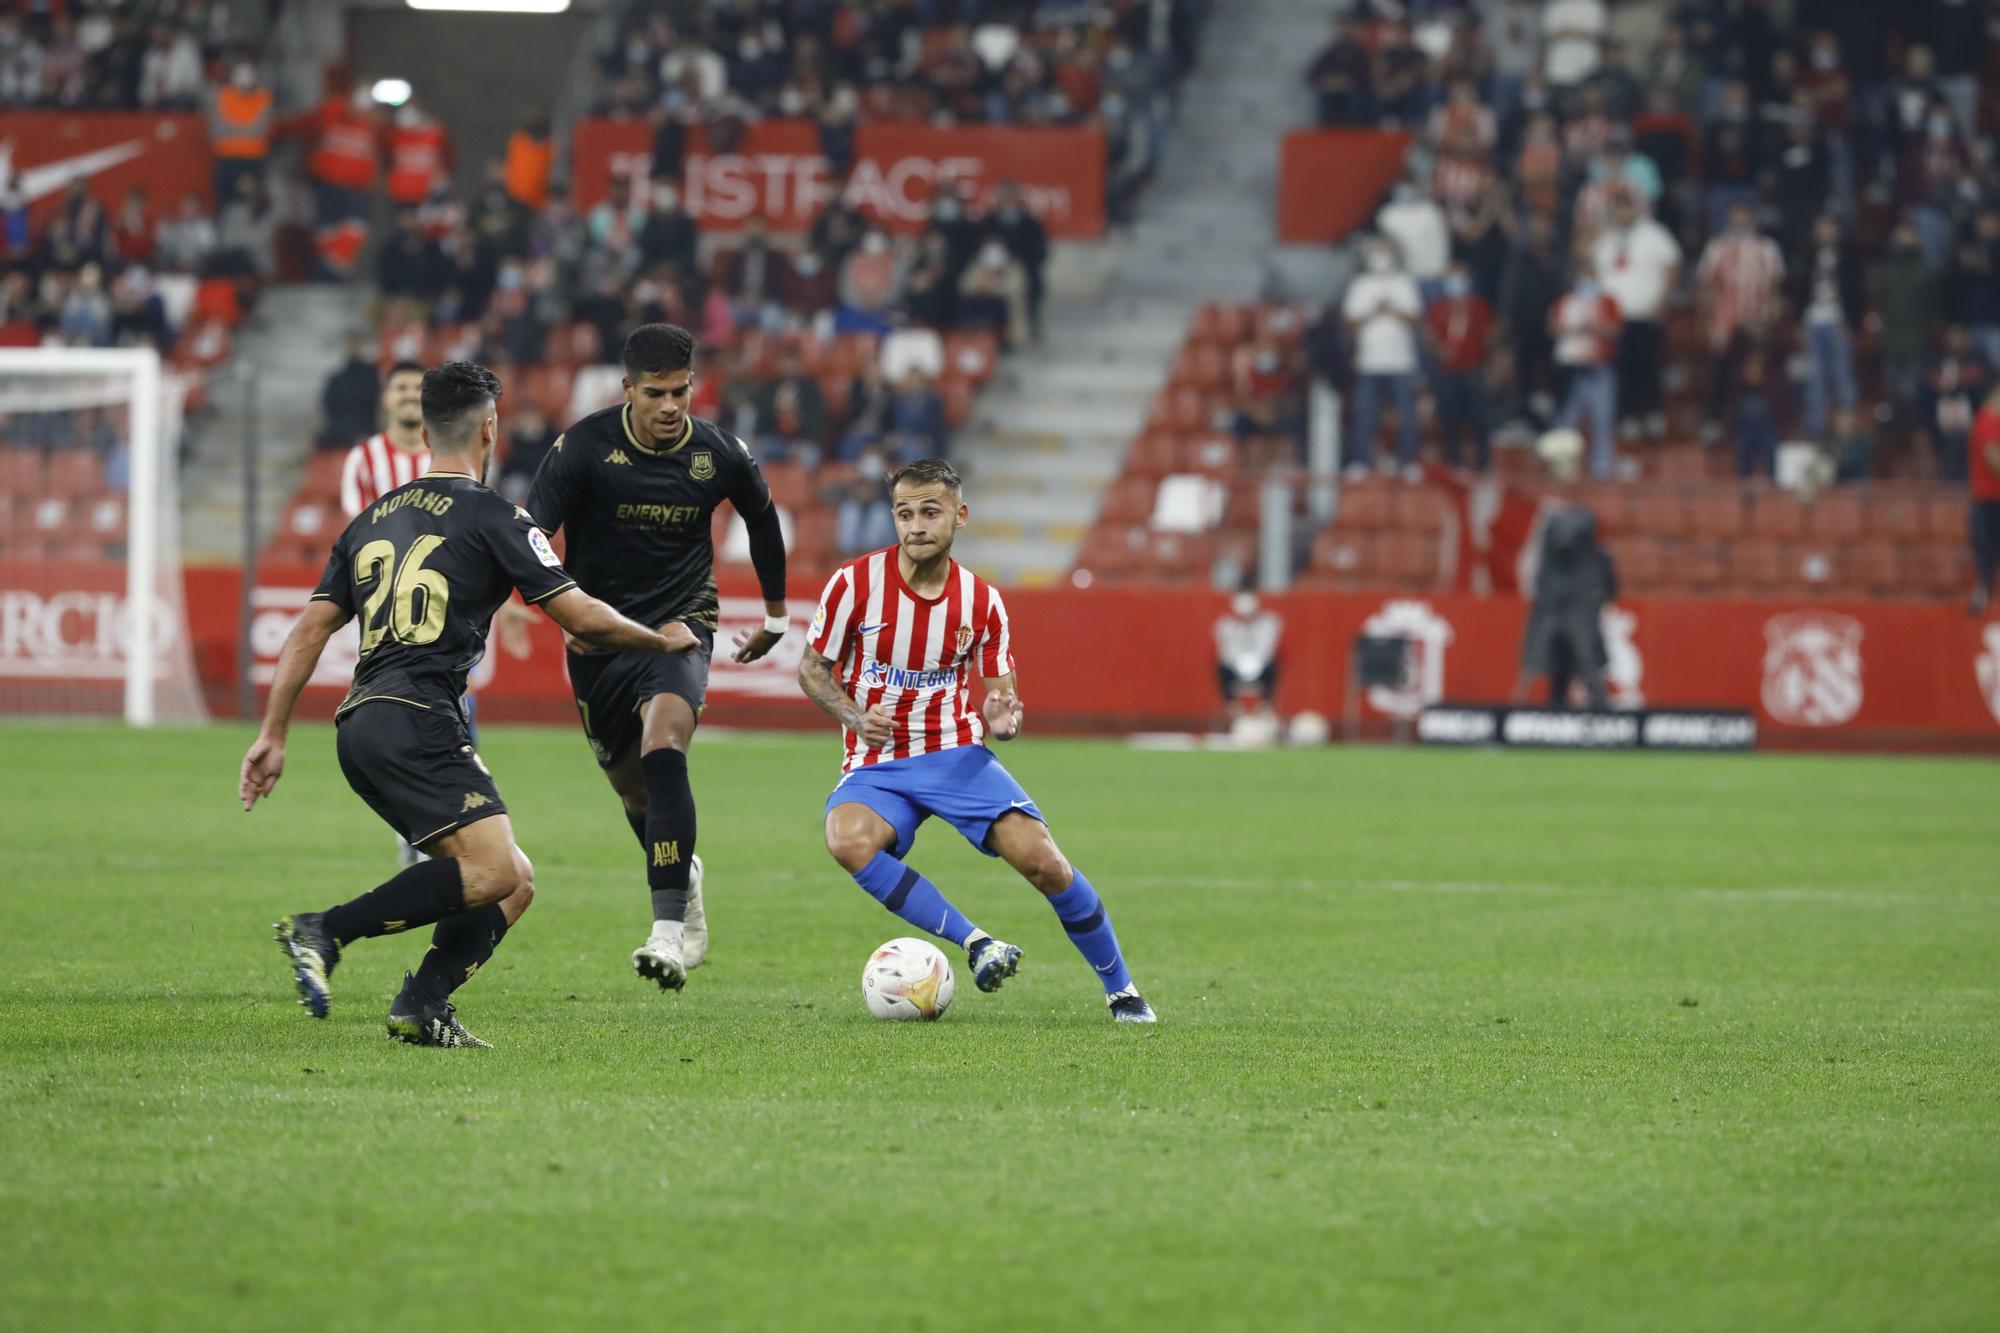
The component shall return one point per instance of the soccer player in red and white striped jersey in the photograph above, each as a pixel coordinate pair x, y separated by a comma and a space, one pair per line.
894, 649
395, 455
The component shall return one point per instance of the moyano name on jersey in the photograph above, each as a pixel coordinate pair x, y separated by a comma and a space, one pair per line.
918, 657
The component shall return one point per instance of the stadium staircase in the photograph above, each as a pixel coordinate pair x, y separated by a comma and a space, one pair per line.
288, 348
1052, 431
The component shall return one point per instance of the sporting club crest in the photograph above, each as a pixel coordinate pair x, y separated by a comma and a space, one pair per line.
701, 466
1987, 667
964, 640
1812, 668
1624, 668
1429, 634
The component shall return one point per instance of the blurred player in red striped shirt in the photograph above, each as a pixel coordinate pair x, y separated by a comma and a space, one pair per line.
395, 455
891, 657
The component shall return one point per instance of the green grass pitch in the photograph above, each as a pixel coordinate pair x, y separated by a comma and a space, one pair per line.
1448, 1040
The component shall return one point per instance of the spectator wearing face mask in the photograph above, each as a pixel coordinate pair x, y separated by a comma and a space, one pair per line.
1585, 325
868, 284
1459, 327
1826, 294
239, 128
1382, 308
1413, 220
1911, 300
1246, 656
993, 294
1026, 240
1928, 172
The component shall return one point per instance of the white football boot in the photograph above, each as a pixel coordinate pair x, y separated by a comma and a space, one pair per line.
659, 958
694, 938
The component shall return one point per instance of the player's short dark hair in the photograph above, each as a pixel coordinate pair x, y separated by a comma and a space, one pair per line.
927, 472
404, 368
456, 392
658, 349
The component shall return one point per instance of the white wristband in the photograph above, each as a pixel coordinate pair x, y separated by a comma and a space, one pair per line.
777, 624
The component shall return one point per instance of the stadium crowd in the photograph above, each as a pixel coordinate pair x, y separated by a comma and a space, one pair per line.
1788, 224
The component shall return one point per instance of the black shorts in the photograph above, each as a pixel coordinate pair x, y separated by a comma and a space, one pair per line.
416, 768
610, 688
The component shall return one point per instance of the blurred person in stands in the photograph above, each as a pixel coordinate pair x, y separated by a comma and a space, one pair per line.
1802, 174
1531, 285
1975, 283
344, 164
1246, 657
247, 232
1574, 582
837, 231
754, 276
1737, 287
1459, 327
791, 412
1911, 299
1413, 220
1018, 229
239, 128
963, 235
350, 400
170, 77
1638, 262
419, 154
411, 264
1341, 75
1732, 158
929, 297
1573, 41
132, 230
868, 284
1585, 324
85, 319
1827, 296
1984, 464
613, 226
1955, 385
1382, 308
1623, 95
529, 162
916, 423
1931, 171
813, 292
529, 438
1132, 151
670, 235
1397, 77
863, 520
138, 315
1851, 446
1758, 388
993, 294
184, 241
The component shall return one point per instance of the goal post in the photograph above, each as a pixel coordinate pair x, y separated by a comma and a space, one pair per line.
93, 619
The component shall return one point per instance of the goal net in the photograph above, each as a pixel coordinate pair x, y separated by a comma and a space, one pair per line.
93, 617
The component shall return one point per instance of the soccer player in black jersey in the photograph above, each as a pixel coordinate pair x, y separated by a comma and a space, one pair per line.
425, 567
634, 487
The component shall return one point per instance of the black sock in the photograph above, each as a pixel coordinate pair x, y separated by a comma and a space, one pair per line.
426, 892
460, 946
669, 832
638, 823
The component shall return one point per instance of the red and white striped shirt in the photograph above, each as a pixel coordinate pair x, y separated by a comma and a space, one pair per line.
915, 656
1739, 277
374, 468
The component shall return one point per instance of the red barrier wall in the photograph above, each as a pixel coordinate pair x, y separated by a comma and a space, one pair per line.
1329, 181
1132, 659
778, 174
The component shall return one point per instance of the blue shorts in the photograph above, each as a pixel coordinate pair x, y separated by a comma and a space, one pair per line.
965, 787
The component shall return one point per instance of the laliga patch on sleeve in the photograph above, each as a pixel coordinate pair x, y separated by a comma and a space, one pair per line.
543, 551
819, 621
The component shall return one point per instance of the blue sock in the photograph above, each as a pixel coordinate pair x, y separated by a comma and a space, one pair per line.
913, 898
1089, 926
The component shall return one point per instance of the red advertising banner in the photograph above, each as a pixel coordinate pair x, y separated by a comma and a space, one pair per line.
1858, 674
1329, 181
113, 150
778, 174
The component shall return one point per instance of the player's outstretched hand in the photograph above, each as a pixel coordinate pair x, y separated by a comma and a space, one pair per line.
1003, 714
511, 624
262, 767
752, 644
680, 639
878, 728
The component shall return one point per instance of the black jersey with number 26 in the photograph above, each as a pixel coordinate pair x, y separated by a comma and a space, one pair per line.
424, 568
637, 518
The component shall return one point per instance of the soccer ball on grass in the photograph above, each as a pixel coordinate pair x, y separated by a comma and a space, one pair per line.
907, 979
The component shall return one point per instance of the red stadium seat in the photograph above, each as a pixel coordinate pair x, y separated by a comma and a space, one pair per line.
1420, 509
1946, 519
1128, 500
1411, 559
1200, 365
957, 395
1716, 512
21, 471
1777, 514
1939, 570
1365, 505
1660, 512
1895, 517
973, 356
72, 473
1640, 562
1876, 567
1154, 454
1757, 565
1836, 516
1213, 454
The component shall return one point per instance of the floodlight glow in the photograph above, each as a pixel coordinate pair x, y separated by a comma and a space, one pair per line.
391, 92
495, 6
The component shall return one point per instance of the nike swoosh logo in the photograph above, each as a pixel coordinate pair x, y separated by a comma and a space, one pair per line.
39, 182
870, 629
1108, 968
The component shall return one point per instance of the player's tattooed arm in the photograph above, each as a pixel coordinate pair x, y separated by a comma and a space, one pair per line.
1002, 707
598, 625
875, 727
264, 763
